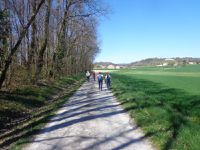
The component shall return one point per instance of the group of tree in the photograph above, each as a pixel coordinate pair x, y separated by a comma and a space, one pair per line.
43, 39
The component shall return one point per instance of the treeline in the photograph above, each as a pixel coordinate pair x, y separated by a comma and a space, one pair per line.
44, 39
169, 61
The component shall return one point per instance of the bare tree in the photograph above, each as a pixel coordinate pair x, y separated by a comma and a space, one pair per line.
40, 60
14, 49
48, 38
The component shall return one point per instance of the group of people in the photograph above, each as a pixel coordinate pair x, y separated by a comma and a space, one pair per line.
100, 77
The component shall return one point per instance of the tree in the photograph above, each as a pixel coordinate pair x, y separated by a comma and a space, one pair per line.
49, 38
4, 34
40, 60
184, 62
14, 49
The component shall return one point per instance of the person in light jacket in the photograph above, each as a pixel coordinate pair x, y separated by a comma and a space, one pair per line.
88, 75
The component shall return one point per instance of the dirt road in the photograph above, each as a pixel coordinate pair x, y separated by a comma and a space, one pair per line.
91, 119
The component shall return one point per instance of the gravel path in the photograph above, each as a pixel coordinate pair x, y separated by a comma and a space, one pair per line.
91, 120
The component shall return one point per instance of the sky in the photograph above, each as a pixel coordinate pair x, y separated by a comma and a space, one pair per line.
140, 29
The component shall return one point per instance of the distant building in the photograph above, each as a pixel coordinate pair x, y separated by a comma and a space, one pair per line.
191, 63
176, 64
111, 67
164, 64
118, 67
103, 67
169, 59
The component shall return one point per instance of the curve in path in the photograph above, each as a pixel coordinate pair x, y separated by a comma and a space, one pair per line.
91, 119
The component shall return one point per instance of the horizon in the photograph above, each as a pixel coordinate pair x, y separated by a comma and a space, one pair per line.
142, 29
147, 58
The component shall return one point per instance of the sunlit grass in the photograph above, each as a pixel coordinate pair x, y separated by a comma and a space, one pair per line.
166, 107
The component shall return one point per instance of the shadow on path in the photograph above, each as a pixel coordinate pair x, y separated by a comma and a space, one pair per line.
89, 104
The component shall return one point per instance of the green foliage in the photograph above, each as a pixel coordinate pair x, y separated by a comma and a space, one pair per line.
163, 105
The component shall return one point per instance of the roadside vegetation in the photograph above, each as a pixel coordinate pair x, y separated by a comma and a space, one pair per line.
47, 39
24, 111
42, 41
164, 102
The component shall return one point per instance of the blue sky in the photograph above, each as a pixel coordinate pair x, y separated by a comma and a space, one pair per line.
139, 29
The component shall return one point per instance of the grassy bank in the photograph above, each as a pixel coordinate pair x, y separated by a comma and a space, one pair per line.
166, 104
24, 111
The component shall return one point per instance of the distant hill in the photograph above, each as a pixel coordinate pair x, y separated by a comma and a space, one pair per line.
165, 61
150, 62
104, 63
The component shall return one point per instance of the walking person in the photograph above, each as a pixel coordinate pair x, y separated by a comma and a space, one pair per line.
100, 80
94, 75
88, 76
108, 81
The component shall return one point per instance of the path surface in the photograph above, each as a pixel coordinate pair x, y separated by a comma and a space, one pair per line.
90, 120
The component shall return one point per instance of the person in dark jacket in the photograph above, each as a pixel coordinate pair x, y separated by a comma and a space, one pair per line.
108, 80
100, 80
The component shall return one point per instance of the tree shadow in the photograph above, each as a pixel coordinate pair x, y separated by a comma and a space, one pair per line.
25, 104
79, 120
178, 104
84, 109
23, 132
81, 110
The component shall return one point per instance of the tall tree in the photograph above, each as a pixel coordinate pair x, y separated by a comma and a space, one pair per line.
58, 37
32, 49
14, 49
40, 60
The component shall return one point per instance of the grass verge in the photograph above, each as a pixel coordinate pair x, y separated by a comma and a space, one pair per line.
25, 111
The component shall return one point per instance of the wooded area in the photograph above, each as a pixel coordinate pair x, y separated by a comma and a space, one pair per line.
46, 39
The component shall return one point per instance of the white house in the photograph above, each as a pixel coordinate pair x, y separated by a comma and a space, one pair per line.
118, 67
169, 59
111, 67
192, 63
165, 64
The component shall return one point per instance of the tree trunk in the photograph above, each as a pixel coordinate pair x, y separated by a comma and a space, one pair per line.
14, 49
40, 60
33, 44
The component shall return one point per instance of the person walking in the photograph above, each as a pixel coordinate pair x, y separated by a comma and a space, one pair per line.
94, 75
100, 80
88, 75
108, 81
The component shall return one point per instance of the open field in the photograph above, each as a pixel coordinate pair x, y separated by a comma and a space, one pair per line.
165, 102
105, 70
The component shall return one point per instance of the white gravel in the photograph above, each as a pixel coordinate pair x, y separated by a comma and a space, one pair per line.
91, 120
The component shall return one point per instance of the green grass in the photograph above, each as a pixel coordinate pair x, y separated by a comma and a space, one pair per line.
185, 78
25, 110
187, 68
166, 104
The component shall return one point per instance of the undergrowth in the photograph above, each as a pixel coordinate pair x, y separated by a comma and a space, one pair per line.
24, 111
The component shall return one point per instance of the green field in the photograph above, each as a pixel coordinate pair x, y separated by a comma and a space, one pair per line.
165, 102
